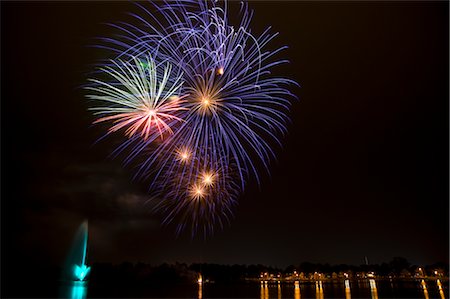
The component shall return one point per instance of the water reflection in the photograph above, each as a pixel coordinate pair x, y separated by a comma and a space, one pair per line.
368, 288
373, 288
264, 290
348, 294
391, 283
441, 290
297, 290
78, 290
200, 290
425, 290
319, 290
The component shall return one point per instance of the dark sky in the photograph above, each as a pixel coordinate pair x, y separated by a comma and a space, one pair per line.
363, 171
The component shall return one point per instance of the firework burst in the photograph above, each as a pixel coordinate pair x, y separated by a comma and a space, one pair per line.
199, 202
139, 99
229, 114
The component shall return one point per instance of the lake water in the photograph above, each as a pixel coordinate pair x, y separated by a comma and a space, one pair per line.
319, 290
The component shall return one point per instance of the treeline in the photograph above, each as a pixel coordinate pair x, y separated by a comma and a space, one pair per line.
129, 273
395, 268
183, 273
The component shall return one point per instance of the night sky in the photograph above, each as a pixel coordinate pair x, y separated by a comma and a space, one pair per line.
363, 170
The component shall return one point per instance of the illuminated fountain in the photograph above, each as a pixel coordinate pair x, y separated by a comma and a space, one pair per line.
76, 270
77, 258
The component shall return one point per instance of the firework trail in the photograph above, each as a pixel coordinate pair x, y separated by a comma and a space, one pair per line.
230, 111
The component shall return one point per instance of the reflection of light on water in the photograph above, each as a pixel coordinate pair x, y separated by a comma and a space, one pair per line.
200, 286
348, 294
368, 283
441, 290
78, 290
200, 291
297, 290
424, 287
373, 288
264, 290
319, 290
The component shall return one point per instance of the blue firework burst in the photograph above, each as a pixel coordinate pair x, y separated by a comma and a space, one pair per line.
234, 110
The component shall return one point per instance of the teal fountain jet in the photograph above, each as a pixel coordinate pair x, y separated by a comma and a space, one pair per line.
81, 270
75, 272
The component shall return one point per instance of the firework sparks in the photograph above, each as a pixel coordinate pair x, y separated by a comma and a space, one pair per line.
136, 100
208, 179
197, 192
232, 113
183, 154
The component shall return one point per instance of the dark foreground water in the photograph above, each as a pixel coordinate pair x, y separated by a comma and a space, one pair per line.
318, 290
